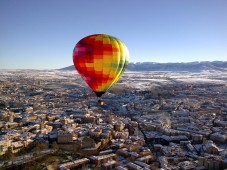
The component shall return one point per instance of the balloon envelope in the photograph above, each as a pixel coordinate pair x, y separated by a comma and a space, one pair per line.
101, 60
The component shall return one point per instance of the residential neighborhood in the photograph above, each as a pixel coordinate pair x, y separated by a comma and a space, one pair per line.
141, 123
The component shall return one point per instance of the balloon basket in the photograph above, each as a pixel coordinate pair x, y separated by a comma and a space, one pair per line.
101, 102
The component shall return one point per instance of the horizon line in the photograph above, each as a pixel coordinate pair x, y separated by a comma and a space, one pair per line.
135, 62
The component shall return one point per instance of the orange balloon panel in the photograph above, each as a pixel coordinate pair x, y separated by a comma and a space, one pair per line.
101, 60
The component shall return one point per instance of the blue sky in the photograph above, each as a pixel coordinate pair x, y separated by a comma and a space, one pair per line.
42, 34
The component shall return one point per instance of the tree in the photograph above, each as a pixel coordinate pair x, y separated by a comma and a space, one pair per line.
55, 145
9, 154
40, 146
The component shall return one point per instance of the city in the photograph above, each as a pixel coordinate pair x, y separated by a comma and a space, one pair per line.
113, 85
149, 120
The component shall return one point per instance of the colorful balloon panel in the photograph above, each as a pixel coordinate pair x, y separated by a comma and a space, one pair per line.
101, 60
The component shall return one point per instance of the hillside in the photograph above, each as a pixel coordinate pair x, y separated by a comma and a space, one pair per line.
175, 67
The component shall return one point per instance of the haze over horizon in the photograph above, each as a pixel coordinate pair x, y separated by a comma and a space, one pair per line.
42, 34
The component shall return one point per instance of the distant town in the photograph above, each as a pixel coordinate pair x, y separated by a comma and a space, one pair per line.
148, 121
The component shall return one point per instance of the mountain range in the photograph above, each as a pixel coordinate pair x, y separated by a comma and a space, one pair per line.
175, 67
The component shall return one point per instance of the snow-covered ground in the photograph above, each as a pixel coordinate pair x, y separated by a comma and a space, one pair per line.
137, 80
148, 79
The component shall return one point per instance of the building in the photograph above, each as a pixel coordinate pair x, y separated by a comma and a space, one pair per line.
64, 137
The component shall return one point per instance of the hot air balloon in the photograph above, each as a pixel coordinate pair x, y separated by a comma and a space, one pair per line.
101, 60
